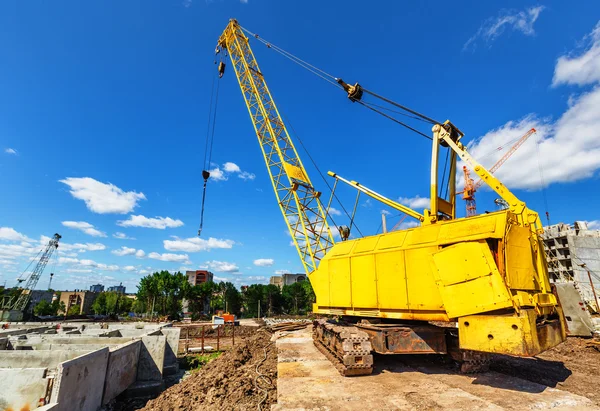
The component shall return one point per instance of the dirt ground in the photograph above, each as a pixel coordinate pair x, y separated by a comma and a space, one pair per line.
230, 382
572, 366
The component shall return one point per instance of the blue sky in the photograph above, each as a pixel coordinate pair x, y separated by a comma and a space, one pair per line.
104, 109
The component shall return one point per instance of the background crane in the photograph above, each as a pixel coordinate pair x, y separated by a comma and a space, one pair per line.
19, 303
471, 187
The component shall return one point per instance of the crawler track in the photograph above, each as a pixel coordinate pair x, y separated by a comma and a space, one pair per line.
347, 347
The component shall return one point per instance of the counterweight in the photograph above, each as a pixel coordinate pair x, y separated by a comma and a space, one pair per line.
298, 200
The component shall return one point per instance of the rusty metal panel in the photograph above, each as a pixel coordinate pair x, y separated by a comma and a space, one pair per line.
406, 339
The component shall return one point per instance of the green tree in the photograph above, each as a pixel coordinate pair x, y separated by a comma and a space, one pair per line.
59, 307
200, 294
295, 298
163, 292
125, 304
253, 297
233, 299
43, 308
139, 306
309, 293
74, 310
99, 305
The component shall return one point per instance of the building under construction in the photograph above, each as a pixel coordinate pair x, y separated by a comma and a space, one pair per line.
573, 253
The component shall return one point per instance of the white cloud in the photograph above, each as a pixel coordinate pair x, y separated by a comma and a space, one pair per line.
565, 150
416, 202
77, 247
258, 279
17, 250
10, 234
222, 173
157, 222
124, 251
582, 69
223, 266
492, 28
140, 254
103, 198
244, 1
129, 268
170, 257
386, 212
87, 228
217, 174
231, 167
122, 236
594, 225
79, 270
86, 264
334, 211
244, 175
195, 244
264, 262
407, 224
10, 151
281, 272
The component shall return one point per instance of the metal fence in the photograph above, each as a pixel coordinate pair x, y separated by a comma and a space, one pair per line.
207, 337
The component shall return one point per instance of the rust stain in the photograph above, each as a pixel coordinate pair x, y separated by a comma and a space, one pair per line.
25, 408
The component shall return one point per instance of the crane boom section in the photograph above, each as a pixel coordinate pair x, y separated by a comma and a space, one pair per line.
298, 200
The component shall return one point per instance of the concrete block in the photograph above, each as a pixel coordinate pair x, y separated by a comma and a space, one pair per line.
79, 383
579, 321
4, 343
36, 359
152, 357
121, 371
22, 388
172, 335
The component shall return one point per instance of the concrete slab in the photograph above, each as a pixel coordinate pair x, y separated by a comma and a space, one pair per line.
37, 359
79, 382
22, 388
172, 335
121, 370
152, 357
308, 381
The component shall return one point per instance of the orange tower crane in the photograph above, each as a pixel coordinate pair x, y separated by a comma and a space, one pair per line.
471, 187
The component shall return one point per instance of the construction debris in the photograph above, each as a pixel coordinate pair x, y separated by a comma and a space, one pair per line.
286, 325
241, 379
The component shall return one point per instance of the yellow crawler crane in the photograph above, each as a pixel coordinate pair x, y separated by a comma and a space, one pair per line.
486, 273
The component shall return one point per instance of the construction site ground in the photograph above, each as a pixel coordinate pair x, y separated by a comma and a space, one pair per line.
564, 378
299, 377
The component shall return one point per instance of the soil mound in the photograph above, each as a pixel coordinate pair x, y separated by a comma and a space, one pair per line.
229, 382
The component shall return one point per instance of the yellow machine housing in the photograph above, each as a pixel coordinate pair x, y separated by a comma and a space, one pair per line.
488, 272
449, 271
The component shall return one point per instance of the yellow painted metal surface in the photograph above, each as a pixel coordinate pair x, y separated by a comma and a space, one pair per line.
299, 203
469, 280
489, 272
519, 260
516, 334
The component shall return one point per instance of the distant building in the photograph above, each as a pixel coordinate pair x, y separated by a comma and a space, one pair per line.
118, 288
97, 288
36, 297
286, 279
572, 251
196, 277
82, 298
